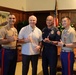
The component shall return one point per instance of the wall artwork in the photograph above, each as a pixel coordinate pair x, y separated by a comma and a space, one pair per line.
3, 18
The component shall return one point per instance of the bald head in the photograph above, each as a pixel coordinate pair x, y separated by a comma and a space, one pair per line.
33, 17
50, 17
32, 20
49, 20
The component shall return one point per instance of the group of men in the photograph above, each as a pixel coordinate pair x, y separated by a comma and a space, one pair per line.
32, 40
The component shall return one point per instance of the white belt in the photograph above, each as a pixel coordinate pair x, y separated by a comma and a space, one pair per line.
66, 50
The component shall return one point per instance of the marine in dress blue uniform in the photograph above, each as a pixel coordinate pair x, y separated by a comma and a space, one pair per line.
8, 52
68, 38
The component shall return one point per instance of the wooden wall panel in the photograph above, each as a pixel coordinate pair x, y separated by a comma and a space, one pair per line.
41, 15
61, 14
20, 15
70, 13
73, 17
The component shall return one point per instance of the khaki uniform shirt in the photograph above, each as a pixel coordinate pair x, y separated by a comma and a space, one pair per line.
68, 36
5, 32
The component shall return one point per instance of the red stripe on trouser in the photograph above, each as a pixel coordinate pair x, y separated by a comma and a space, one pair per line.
69, 63
2, 60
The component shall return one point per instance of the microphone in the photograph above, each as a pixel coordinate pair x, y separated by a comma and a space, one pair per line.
32, 30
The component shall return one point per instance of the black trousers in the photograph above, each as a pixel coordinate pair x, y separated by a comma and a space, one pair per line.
49, 59
8, 60
25, 64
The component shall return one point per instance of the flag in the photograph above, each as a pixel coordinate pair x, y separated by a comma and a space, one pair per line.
56, 14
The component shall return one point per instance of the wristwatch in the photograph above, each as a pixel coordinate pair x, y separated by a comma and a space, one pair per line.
51, 42
64, 45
